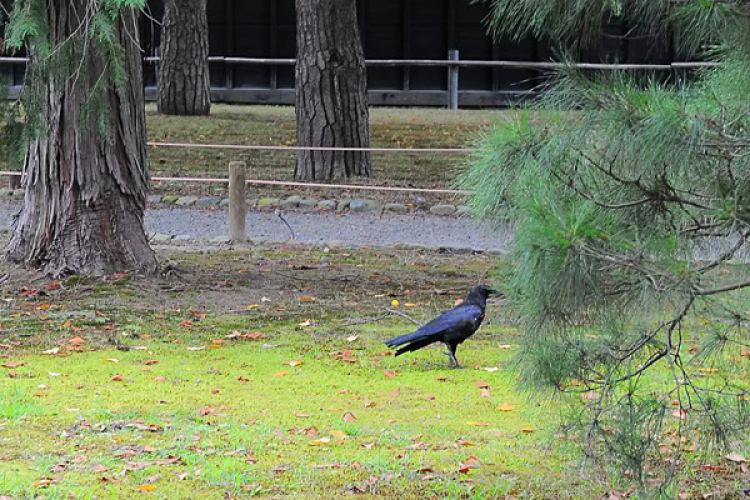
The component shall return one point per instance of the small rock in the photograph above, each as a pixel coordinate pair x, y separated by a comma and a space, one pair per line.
225, 202
443, 209
291, 202
343, 204
221, 239
364, 205
169, 198
327, 205
154, 198
186, 201
308, 203
18, 194
250, 202
208, 202
6, 194
183, 237
268, 202
161, 238
396, 207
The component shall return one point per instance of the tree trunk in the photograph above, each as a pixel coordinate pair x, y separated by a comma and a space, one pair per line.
184, 85
86, 174
331, 90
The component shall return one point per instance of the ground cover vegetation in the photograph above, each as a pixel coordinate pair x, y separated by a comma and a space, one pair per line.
631, 206
262, 373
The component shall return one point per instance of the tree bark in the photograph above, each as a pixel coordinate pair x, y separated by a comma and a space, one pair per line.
184, 85
331, 90
86, 173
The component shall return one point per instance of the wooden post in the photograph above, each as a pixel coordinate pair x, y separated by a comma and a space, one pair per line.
453, 80
237, 201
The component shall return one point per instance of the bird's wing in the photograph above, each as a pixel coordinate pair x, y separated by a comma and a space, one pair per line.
465, 316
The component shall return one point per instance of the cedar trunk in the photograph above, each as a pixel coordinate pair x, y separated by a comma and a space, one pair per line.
85, 187
184, 85
331, 91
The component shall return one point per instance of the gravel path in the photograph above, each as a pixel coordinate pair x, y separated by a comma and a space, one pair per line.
348, 228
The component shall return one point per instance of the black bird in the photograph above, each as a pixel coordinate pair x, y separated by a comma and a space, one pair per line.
451, 328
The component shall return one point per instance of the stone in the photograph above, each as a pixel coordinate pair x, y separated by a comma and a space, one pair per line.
327, 205
343, 204
18, 194
161, 238
183, 237
291, 202
224, 202
208, 202
221, 239
268, 202
396, 207
154, 198
186, 201
250, 202
443, 209
308, 204
6, 194
364, 205
169, 198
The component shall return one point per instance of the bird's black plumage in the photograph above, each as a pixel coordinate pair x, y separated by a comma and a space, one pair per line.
451, 328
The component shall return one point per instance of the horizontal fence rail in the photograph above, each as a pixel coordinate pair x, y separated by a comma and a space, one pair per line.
448, 63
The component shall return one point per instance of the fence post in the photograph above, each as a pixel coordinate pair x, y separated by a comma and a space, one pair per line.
237, 201
453, 80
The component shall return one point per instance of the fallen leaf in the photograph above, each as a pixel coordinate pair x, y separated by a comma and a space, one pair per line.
52, 286
527, 430
117, 378
708, 370
151, 362
735, 457
54, 350
349, 417
478, 424
506, 407
147, 487
390, 374
196, 348
368, 445
307, 322
294, 363
463, 442
187, 322
491, 369
590, 396
441, 378
112, 360
67, 324
320, 442
279, 374
352, 338
482, 384
76, 341
369, 404
12, 364
745, 354
338, 435
301, 415
207, 410
394, 303
252, 306
485, 393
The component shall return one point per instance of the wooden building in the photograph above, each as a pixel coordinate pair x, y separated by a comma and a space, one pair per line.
390, 29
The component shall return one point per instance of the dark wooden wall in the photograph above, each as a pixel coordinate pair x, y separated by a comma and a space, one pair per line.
390, 29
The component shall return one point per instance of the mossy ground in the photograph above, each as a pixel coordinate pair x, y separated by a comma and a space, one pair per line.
161, 398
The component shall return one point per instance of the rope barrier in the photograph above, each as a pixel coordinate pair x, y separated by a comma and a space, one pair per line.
309, 148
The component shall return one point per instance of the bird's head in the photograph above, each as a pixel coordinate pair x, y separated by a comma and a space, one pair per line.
486, 292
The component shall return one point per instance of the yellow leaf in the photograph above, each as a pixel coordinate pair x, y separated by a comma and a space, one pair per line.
147, 487
67, 324
338, 435
478, 424
252, 306
506, 407
320, 442
527, 430
307, 298
295, 363
394, 303
708, 370
279, 374
214, 346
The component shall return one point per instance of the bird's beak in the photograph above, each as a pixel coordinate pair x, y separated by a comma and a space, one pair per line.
495, 292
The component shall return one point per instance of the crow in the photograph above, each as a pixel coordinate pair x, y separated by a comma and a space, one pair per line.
451, 327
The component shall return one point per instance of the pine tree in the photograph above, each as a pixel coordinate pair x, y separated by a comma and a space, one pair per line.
630, 199
86, 171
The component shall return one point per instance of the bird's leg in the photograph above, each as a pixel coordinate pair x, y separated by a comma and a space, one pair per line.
452, 354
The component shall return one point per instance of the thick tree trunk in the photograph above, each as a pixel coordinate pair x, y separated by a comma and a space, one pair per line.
184, 85
86, 175
331, 84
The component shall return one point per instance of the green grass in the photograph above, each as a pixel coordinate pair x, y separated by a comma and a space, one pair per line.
262, 407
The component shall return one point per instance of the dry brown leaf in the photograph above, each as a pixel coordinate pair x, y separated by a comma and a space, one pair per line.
279, 374
12, 364
151, 362
307, 298
75, 341
294, 363
301, 415
590, 396
207, 410
735, 457
390, 374
527, 430
485, 393
481, 384
117, 378
478, 424
349, 417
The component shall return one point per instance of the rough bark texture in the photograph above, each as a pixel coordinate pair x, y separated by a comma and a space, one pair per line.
86, 193
184, 86
331, 90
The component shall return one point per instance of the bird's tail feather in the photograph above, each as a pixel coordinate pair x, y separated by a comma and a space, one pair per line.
415, 345
404, 339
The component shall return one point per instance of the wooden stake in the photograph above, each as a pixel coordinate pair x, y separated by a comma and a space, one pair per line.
237, 201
